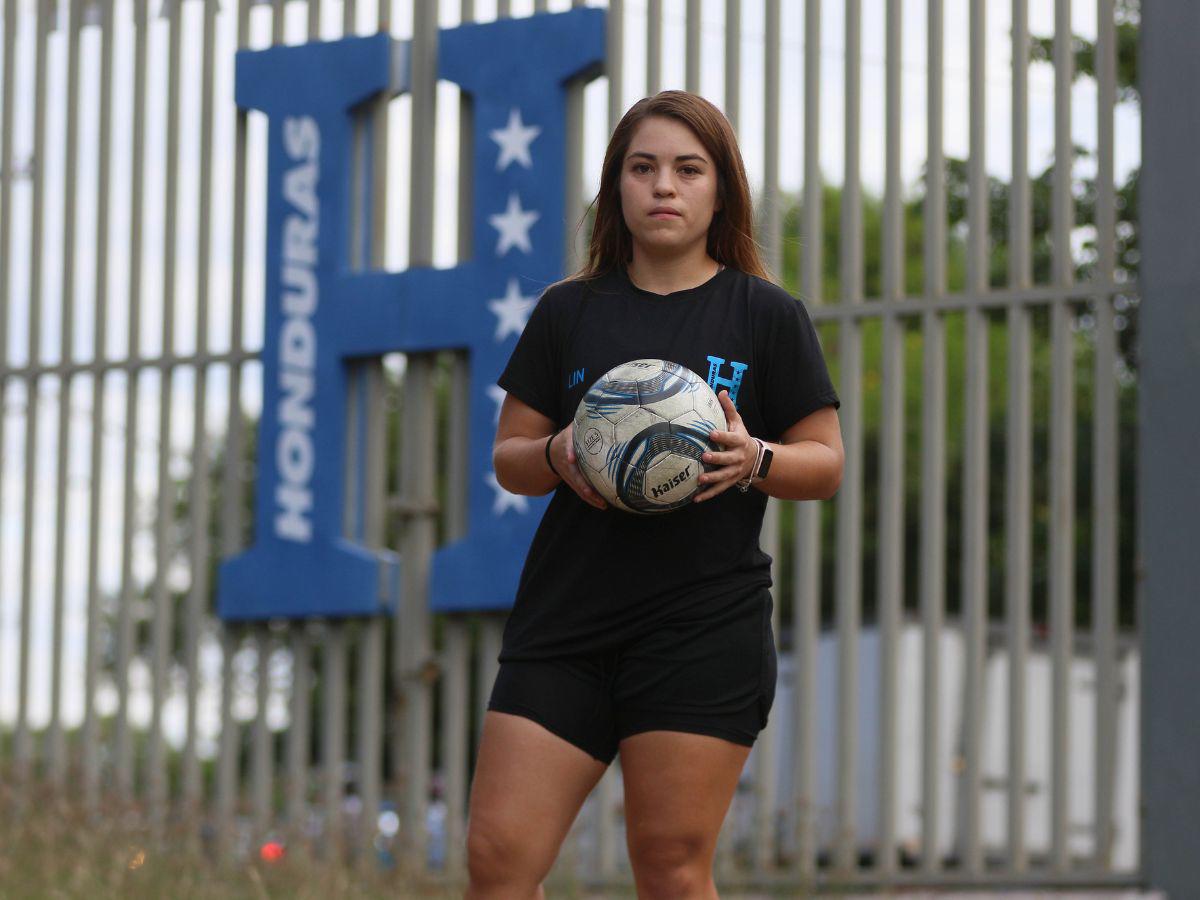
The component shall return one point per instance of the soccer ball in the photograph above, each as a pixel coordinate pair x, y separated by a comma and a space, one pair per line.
640, 431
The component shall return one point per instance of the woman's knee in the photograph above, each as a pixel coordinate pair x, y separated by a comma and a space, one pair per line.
674, 867
497, 856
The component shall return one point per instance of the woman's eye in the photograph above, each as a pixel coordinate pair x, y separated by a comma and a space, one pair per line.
690, 170
641, 167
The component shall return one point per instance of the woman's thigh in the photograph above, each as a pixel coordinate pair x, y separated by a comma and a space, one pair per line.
528, 788
678, 788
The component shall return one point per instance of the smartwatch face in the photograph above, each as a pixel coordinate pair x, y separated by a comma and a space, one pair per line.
768, 455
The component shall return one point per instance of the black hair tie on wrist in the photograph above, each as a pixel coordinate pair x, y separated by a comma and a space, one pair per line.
550, 464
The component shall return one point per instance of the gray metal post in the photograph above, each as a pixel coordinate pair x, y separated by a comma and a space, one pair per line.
1169, 426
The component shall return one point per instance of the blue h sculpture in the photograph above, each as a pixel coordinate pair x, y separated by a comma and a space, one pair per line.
320, 315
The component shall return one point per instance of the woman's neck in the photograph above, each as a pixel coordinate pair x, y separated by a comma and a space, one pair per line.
667, 275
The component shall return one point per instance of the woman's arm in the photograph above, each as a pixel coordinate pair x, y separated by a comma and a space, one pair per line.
519, 454
807, 462
808, 459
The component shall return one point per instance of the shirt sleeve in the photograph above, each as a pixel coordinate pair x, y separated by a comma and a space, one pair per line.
796, 380
532, 371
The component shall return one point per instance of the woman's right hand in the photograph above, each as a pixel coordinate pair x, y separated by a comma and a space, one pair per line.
562, 454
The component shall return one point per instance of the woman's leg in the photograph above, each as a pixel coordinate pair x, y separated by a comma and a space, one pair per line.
678, 788
528, 788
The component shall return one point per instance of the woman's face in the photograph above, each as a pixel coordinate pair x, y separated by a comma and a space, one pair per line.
668, 187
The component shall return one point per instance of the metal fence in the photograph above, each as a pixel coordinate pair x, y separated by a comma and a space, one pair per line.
130, 317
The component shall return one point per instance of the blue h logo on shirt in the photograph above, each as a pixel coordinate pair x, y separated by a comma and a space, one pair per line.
716, 381
321, 314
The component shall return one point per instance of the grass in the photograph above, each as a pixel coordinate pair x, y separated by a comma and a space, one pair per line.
50, 848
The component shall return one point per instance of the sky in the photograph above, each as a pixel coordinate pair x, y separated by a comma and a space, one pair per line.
185, 340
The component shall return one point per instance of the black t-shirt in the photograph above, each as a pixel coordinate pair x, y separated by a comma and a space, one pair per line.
594, 578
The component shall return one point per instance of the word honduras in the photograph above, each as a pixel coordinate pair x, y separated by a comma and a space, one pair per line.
298, 337
321, 314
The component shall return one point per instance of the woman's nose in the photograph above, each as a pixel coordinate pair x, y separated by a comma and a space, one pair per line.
663, 185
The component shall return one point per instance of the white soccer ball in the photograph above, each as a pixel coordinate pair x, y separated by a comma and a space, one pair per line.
640, 431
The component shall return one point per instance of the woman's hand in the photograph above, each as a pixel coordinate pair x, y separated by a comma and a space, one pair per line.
562, 454
736, 459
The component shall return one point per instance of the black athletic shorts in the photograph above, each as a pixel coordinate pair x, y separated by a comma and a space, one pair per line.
713, 676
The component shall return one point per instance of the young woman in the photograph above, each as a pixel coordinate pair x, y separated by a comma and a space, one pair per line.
648, 635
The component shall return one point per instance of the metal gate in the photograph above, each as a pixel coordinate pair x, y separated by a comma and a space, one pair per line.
978, 323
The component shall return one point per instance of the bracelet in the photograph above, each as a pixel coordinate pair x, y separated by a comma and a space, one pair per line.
550, 441
744, 484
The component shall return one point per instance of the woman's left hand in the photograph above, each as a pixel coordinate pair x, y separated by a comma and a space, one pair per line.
735, 459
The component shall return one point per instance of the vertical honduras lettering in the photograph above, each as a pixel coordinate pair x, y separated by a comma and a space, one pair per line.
320, 314
298, 337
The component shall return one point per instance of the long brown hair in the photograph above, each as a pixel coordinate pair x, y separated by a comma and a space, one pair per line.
731, 234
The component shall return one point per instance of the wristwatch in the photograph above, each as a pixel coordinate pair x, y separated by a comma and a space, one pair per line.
762, 465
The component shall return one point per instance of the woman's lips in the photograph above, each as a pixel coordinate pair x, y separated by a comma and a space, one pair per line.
664, 214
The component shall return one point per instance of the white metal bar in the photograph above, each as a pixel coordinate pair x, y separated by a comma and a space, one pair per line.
891, 459
1018, 458
417, 468
415, 647
455, 686
6, 189
456, 703
806, 603
56, 750
1106, 471
766, 780
90, 732
849, 499
371, 632
227, 747
6, 183
125, 633
615, 60
890, 578
733, 59
933, 454
806, 587
771, 207
262, 757
333, 738
1018, 575
1062, 448
691, 78
314, 20
932, 581
654, 25
162, 627
369, 697
197, 596
299, 734
232, 488
576, 242
23, 742
975, 422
